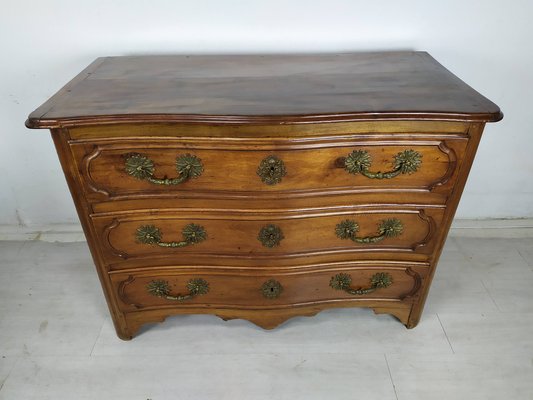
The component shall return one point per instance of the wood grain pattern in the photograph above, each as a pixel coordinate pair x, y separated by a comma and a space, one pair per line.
243, 290
475, 133
232, 112
311, 167
235, 235
269, 134
264, 89
266, 318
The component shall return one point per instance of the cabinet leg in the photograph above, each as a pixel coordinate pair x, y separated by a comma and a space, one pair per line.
124, 334
123, 329
414, 316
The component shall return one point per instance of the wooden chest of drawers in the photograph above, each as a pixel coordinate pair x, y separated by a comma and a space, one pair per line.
265, 187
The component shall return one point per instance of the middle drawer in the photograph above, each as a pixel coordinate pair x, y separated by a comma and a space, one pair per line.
193, 237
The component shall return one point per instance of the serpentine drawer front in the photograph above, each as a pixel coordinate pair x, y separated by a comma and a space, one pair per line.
132, 239
130, 169
261, 290
265, 187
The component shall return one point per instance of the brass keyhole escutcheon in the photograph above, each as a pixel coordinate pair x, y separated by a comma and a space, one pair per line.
270, 235
271, 289
271, 170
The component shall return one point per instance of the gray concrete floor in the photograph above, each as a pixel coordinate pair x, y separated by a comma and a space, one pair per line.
475, 340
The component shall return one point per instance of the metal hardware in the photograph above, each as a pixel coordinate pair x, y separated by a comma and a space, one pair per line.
271, 170
161, 288
141, 167
270, 235
348, 229
377, 281
150, 234
271, 289
405, 162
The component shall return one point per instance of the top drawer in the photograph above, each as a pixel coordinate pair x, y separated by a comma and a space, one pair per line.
165, 167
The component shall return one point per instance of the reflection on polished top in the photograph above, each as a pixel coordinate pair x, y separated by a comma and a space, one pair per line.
273, 88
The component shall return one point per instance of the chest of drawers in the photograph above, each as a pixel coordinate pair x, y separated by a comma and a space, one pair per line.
265, 187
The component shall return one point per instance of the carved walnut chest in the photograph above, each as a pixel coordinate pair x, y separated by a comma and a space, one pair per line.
265, 187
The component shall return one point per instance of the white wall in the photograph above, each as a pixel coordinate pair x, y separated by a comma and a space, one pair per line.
488, 43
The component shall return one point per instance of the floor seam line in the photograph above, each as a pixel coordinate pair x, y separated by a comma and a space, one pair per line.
21, 247
97, 337
390, 376
488, 292
445, 334
9, 373
523, 258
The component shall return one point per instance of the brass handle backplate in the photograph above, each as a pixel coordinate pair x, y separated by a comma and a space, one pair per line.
359, 162
141, 167
271, 170
377, 281
348, 229
161, 288
270, 235
150, 234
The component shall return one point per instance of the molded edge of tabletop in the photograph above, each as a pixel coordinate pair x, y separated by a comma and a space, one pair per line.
37, 119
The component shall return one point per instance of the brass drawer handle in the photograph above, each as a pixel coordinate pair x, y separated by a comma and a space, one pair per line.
377, 281
161, 288
270, 235
271, 289
348, 229
359, 162
271, 170
150, 234
141, 167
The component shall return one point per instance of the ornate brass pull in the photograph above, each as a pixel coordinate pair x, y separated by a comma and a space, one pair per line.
271, 289
161, 288
271, 170
359, 162
141, 167
348, 229
270, 235
377, 281
150, 234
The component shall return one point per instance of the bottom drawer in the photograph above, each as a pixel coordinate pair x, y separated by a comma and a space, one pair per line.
211, 287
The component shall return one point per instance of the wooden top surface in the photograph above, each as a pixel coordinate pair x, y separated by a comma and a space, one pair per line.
263, 89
